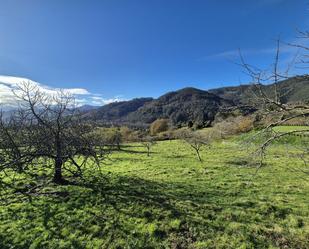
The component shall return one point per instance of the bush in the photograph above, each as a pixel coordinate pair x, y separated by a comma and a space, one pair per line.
160, 125
244, 124
108, 136
237, 125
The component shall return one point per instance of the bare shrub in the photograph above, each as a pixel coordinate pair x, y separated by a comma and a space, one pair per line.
148, 142
235, 125
158, 126
196, 140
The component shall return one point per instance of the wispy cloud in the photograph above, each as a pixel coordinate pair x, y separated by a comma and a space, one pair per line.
82, 95
290, 62
234, 54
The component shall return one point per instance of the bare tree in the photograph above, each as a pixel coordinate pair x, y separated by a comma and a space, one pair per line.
272, 102
196, 141
46, 132
118, 139
148, 142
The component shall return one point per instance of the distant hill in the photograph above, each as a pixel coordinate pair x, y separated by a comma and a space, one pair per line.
295, 89
195, 106
117, 112
181, 107
87, 108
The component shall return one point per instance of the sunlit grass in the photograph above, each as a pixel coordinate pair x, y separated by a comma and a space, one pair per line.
171, 200
290, 128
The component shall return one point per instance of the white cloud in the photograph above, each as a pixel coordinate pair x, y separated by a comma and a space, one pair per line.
82, 96
13, 82
96, 100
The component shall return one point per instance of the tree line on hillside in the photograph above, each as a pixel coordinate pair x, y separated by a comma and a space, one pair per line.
196, 107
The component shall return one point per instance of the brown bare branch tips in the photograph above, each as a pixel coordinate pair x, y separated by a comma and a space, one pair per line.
148, 142
274, 109
196, 140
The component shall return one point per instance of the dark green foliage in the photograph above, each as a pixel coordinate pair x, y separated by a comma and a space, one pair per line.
183, 106
295, 89
118, 111
194, 107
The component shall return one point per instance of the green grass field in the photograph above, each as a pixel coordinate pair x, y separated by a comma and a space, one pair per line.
170, 200
290, 128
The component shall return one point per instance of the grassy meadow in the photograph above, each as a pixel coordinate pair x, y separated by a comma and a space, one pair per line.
170, 200
289, 128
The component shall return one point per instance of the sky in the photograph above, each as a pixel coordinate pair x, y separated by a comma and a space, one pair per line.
121, 49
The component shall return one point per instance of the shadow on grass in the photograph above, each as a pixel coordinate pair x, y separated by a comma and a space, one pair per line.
108, 198
118, 207
136, 152
245, 163
119, 191
177, 156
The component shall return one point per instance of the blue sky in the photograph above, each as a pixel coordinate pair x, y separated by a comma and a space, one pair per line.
128, 48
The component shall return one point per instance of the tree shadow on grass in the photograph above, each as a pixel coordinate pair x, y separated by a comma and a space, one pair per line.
121, 190
112, 201
240, 162
177, 156
136, 151
116, 208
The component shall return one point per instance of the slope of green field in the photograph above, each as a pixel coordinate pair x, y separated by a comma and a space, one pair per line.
170, 200
290, 128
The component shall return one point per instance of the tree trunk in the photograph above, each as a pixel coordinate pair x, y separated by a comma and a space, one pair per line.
58, 171
58, 162
198, 155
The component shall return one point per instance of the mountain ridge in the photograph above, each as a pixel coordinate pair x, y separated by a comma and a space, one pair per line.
193, 105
